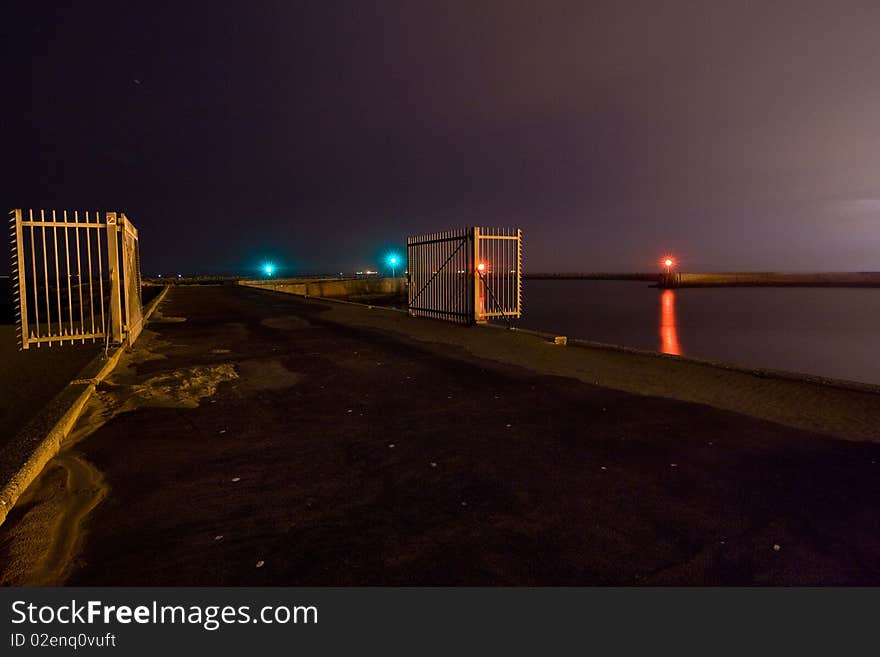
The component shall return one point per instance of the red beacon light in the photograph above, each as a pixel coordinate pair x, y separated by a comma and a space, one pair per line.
668, 263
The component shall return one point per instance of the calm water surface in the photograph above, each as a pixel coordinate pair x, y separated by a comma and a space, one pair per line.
831, 332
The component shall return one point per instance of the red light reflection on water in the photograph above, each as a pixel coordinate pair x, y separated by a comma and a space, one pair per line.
668, 327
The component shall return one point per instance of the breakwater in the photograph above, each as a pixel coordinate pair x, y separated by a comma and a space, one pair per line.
330, 288
770, 279
591, 276
724, 279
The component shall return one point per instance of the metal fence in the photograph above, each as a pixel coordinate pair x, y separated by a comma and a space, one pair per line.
69, 270
467, 275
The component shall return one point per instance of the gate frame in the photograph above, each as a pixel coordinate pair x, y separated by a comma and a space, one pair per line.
132, 277
477, 283
116, 327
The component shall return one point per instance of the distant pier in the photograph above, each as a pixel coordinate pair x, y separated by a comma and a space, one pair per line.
675, 279
768, 279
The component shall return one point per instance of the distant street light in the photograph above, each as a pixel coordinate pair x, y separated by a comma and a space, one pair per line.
268, 268
393, 260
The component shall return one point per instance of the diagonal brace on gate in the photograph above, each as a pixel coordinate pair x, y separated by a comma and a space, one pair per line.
436, 273
494, 299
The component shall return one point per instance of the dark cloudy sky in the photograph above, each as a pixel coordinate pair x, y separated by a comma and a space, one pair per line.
318, 134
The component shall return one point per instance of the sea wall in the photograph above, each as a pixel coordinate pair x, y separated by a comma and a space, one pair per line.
818, 279
332, 288
591, 276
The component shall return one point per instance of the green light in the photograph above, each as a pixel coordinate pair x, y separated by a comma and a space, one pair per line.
268, 268
393, 260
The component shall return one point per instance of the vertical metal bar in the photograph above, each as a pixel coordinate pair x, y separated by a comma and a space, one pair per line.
445, 274
505, 271
450, 274
113, 271
438, 262
91, 277
456, 282
419, 261
79, 280
126, 275
46, 278
508, 260
21, 288
487, 299
408, 274
99, 254
474, 275
69, 291
518, 272
34, 273
57, 275
490, 273
414, 285
441, 248
441, 257
140, 282
497, 271
440, 287
468, 274
414, 275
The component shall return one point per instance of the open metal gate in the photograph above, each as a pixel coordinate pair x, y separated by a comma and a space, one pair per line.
131, 278
466, 276
74, 274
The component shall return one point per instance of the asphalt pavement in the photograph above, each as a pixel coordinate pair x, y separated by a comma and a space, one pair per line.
250, 441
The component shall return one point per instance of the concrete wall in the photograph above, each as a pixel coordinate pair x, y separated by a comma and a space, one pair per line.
842, 279
332, 288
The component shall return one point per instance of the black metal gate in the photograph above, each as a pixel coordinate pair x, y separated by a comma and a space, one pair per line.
466, 276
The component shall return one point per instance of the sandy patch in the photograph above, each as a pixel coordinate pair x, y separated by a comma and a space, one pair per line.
182, 388
40, 548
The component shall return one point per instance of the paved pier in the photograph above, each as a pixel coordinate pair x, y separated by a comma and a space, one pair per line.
249, 439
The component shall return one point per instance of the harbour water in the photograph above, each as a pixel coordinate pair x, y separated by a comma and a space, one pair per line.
832, 332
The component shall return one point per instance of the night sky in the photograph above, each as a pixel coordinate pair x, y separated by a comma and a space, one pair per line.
739, 136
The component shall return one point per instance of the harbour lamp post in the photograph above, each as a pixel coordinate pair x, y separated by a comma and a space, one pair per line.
269, 268
392, 260
668, 263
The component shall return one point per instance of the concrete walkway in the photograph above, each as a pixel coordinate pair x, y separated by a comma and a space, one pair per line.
249, 439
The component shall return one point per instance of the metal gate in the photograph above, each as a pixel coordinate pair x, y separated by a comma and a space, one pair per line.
468, 275
131, 278
67, 281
